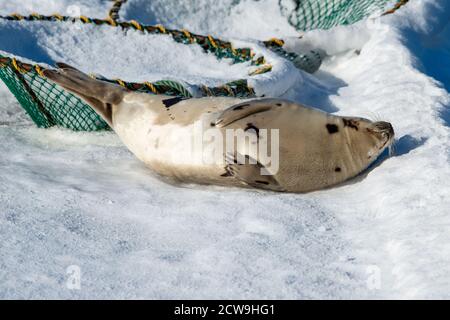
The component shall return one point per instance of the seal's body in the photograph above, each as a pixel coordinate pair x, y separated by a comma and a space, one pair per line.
187, 139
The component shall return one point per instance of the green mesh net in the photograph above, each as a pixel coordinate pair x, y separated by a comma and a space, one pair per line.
324, 14
50, 105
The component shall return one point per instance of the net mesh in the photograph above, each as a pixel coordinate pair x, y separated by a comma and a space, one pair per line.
319, 14
50, 105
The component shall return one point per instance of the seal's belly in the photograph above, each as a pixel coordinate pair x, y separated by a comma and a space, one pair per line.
181, 151
170, 148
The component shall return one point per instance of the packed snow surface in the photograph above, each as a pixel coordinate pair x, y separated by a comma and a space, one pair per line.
81, 201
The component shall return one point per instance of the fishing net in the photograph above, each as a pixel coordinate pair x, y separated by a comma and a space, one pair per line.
324, 14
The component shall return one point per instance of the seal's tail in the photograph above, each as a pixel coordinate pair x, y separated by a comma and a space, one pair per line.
100, 95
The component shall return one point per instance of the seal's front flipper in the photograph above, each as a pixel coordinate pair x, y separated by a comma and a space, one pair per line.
242, 110
250, 174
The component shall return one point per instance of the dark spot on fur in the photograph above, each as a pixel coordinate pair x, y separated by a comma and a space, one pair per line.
262, 182
226, 174
251, 126
279, 104
213, 124
332, 128
338, 169
240, 107
351, 124
109, 109
172, 101
234, 160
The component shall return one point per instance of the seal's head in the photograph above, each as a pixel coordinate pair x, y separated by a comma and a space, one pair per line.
383, 134
368, 139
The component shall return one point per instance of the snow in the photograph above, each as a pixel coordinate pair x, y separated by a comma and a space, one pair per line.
230, 18
82, 199
89, 8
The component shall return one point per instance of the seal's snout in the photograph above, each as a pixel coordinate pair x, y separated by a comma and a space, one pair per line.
384, 128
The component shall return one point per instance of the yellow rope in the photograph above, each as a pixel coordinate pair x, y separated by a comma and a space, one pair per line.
17, 16
121, 83
161, 28
211, 40
16, 66
58, 16
229, 90
208, 92
114, 11
84, 19
111, 22
277, 41
137, 25
397, 6
151, 86
188, 35
263, 69
36, 15
39, 70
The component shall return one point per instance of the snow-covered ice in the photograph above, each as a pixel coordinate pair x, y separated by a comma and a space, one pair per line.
75, 8
82, 199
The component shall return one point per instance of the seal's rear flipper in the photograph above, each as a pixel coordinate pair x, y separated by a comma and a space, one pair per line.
100, 95
251, 174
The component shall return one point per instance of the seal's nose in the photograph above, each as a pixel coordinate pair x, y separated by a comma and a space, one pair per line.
384, 127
